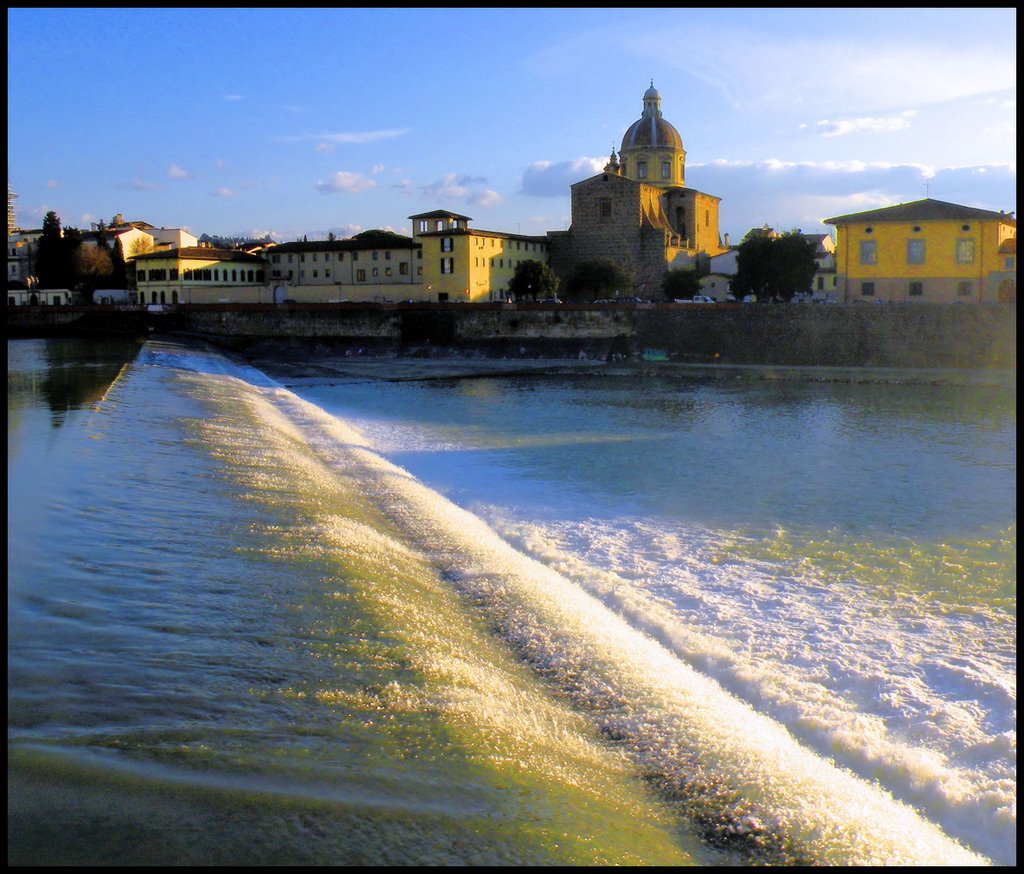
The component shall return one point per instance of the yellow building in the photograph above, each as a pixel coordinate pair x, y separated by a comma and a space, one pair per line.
373, 266
199, 274
929, 251
461, 263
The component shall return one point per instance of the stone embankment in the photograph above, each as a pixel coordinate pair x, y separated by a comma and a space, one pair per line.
838, 335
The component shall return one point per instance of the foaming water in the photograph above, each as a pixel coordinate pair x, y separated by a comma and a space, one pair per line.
595, 690
729, 766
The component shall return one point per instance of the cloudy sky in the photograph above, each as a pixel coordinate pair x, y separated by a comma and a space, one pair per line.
292, 123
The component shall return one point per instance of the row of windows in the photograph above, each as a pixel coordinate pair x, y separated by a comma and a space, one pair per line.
917, 229
641, 169
439, 225
204, 274
916, 289
521, 245
403, 270
276, 259
963, 253
496, 262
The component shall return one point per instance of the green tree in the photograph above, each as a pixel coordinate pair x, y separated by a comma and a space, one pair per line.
532, 280
118, 269
593, 280
680, 284
49, 253
774, 267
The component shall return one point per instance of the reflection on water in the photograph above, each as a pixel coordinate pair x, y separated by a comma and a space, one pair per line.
67, 374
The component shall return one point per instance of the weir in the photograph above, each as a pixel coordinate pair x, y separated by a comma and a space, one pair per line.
753, 788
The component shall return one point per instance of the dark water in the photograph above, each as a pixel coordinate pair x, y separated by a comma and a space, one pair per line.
503, 621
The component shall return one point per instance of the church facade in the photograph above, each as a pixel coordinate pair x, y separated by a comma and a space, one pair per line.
638, 211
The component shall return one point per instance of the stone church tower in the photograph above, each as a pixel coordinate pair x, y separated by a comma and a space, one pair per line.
638, 211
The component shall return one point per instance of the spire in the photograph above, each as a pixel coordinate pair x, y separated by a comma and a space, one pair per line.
613, 163
652, 102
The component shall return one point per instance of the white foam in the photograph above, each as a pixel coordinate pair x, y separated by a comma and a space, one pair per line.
679, 721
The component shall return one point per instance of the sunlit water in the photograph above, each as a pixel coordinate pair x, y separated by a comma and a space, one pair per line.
543, 620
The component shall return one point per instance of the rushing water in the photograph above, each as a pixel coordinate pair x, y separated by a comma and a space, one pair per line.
525, 620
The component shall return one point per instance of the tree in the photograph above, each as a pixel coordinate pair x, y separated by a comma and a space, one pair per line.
48, 254
71, 245
93, 267
533, 279
680, 284
118, 270
593, 280
141, 246
774, 267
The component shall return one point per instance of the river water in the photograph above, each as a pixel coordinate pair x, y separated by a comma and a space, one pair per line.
573, 618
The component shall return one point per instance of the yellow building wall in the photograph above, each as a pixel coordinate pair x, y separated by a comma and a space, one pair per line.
940, 273
483, 265
181, 290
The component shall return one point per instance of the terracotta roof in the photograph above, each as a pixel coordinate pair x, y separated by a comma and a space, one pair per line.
203, 253
440, 213
1008, 246
920, 210
347, 245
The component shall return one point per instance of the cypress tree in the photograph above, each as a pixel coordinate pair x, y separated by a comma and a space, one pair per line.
49, 253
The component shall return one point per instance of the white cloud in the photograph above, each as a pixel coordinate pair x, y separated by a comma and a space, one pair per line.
233, 97
547, 179
346, 137
52, 183
785, 195
859, 74
453, 186
176, 172
485, 199
353, 183
866, 124
344, 231
141, 185
222, 192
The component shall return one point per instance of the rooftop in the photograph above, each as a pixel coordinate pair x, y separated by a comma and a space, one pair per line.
921, 210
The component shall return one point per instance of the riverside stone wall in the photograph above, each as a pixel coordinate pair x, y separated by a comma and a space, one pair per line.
840, 335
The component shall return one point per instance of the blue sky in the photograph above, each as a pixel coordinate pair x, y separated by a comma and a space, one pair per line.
300, 122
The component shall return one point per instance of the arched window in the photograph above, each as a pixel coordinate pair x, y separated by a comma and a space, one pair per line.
234, 275
174, 296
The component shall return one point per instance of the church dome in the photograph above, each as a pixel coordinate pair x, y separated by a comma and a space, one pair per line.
651, 132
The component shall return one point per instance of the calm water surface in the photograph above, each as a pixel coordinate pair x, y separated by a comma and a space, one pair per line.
545, 620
